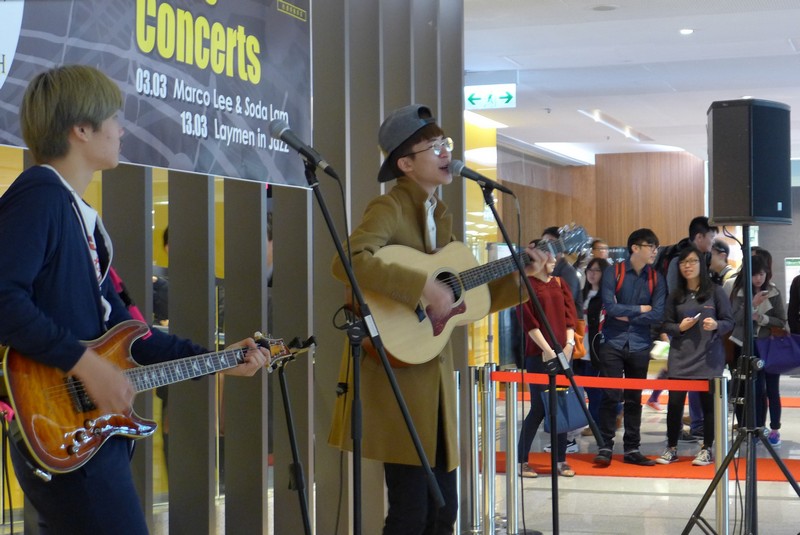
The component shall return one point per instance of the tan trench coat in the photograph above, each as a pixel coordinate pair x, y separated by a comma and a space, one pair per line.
398, 218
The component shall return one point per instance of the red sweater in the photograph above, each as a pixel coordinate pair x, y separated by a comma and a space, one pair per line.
558, 306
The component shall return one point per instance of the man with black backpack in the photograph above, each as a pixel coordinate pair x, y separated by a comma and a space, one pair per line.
701, 235
633, 298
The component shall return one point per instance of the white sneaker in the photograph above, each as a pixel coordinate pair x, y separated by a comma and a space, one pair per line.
669, 456
703, 458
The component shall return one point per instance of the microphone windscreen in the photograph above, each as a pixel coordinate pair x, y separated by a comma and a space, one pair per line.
456, 166
278, 127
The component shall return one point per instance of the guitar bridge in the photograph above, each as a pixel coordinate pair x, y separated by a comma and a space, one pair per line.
80, 397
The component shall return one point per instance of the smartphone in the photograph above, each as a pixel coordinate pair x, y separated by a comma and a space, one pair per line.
696, 315
764, 292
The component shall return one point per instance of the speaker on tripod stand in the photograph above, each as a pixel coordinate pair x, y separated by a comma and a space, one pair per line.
749, 169
749, 183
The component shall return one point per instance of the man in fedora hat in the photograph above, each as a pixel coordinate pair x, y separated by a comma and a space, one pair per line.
418, 155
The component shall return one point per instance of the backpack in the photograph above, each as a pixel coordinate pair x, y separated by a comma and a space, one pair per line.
666, 254
619, 272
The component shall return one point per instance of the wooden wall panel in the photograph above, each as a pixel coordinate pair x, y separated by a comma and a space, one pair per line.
662, 191
619, 194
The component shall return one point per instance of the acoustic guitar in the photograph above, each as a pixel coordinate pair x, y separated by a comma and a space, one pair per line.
59, 423
412, 336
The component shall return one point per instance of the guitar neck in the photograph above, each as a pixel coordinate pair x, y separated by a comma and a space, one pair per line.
165, 373
477, 276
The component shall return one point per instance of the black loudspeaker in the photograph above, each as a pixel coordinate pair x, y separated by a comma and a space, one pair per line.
749, 151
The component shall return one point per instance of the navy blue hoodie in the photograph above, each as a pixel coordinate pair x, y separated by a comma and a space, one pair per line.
49, 295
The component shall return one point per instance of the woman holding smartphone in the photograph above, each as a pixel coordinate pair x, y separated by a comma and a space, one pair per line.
696, 316
769, 314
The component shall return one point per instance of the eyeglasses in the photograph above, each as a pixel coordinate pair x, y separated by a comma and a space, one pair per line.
600, 249
689, 262
446, 144
648, 245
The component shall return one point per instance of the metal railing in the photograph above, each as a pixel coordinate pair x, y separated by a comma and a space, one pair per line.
483, 395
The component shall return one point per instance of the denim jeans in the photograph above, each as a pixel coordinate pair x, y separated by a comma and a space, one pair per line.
632, 365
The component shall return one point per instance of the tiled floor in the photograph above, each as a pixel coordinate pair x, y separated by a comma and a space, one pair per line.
613, 505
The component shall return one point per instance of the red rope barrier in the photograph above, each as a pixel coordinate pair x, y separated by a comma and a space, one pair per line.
696, 385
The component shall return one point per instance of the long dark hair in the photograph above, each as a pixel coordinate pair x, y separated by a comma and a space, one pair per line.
757, 264
706, 288
602, 263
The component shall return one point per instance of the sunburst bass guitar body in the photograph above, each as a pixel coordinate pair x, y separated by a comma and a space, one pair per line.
59, 423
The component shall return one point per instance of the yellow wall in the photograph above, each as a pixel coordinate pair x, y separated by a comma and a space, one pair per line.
161, 220
480, 231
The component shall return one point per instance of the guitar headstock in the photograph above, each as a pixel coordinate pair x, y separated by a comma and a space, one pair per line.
572, 239
278, 350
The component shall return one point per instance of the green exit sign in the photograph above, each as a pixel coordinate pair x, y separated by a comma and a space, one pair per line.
487, 97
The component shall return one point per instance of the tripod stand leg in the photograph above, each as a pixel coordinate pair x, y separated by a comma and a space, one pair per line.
786, 473
721, 471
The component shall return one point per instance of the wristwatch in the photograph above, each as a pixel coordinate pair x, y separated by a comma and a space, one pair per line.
571, 342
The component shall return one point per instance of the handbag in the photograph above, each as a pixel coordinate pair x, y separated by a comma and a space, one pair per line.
780, 354
579, 351
570, 415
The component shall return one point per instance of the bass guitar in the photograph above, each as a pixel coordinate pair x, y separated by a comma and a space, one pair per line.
59, 423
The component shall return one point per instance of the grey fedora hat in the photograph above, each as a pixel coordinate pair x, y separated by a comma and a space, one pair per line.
400, 125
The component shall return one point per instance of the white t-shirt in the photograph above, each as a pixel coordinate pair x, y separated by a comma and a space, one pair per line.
90, 221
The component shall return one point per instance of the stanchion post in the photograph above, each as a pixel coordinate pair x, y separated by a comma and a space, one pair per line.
721, 445
487, 447
474, 447
512, 479
457, 380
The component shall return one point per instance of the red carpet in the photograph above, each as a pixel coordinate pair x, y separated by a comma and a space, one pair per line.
766, 468
786, 401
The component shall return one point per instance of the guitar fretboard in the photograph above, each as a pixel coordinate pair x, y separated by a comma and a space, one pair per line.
149, 377
479, 275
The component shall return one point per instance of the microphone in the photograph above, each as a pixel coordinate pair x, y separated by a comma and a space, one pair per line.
279, 129
458, 168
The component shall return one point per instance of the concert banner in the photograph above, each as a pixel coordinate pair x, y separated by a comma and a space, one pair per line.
201, 79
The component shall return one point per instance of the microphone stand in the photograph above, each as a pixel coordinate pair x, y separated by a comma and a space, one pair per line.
554, 366
298, 480
356, 331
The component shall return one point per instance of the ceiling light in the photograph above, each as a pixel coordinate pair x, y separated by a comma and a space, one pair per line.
482, 156
573, 153
686, 31
557, 153
615, 124
481, 121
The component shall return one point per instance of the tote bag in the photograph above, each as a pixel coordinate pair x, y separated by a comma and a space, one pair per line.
780, 354
570, 415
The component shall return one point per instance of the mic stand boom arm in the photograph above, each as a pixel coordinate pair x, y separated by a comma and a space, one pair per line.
367, 326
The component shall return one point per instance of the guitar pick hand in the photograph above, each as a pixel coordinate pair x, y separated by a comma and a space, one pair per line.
108, 388
439, 298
